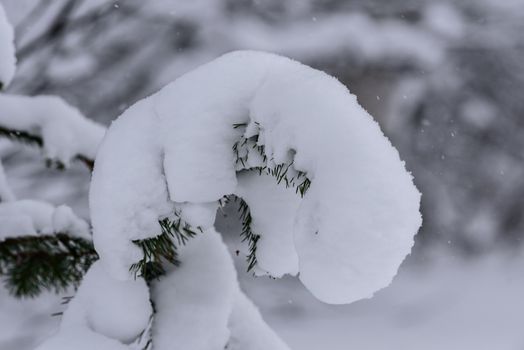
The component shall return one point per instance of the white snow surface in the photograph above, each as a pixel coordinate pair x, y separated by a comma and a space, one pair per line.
81, 339
353, 227
273, 208
7, 50
198, 215
104, 314
66, 133
193, 302
248, 330
126, 207
6, 194
200, 306
117, 309
32, 217
447, 302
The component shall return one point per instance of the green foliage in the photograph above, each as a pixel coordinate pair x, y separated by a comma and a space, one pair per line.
31, 264
283, 173
162, 248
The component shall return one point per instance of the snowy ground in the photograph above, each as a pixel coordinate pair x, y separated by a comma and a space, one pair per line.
449, 304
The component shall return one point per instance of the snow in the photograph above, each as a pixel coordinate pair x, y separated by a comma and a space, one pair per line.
354, 226
200, 306
357, 221
66, 133
6, 194
446, 303
200, 215
7, 50
81, 339
65, 220
193, 302
273, 208
117, 309
248, 329
32, 217
104, 314
138, 194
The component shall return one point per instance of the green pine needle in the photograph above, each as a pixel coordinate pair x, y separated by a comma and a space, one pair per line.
162, 248
29, 139
33, 264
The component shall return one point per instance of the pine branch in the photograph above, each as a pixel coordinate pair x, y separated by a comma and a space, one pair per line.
32, 264
162, 248
21, 136
247, 233
29, 139
283, 173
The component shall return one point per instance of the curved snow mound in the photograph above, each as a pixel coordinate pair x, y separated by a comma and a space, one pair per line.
104, 314
348, 234
7, 50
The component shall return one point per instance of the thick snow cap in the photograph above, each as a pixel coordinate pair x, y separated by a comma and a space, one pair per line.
348, 234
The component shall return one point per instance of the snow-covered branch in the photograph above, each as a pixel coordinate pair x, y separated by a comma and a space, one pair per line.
49, 122
42, 247
357, 218
261, 127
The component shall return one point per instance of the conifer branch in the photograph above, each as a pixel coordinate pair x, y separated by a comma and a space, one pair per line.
247, 233
162, 248
29, 139
21, 136
283, 173
32, 264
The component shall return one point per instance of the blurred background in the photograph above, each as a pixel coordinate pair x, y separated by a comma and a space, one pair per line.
445, 80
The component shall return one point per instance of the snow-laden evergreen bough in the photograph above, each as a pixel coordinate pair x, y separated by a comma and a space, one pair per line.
42, 246
324, 195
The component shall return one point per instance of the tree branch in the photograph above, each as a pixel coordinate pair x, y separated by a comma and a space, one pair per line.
35, 140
